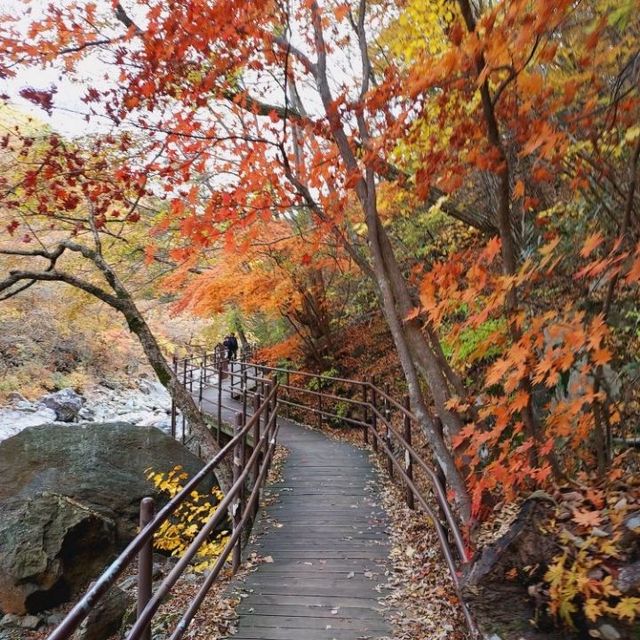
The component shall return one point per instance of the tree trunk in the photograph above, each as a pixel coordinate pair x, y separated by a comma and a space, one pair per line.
167, 377
411, 346
242, 336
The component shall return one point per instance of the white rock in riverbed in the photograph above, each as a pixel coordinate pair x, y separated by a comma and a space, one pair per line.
148, 405
14, 420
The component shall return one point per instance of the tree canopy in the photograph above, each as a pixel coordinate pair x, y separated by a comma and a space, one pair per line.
469, 170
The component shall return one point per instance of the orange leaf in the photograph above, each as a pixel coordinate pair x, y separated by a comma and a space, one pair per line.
633, 275
518, 190
601, 356
520, 400
587, 518
341, 11
414, 313
590, 244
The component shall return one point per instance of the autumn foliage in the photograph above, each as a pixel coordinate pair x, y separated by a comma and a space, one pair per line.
468, 172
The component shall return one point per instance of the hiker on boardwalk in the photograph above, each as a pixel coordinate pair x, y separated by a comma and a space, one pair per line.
231, 344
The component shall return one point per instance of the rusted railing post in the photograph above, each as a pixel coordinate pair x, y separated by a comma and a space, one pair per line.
287, 378
145, 563
274, 413
256, 441
408, 460
232, 378
365, 411
243, 386
374, 415
388, 440
201, 385
219, 425
173, 402
204, 366
266, 385
238, 461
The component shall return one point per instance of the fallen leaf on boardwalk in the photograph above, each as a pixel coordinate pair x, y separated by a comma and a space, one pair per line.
268, 559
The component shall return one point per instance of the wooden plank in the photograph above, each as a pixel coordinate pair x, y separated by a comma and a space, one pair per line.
314, 611
259, 633
312, 622
333, 601
329, 548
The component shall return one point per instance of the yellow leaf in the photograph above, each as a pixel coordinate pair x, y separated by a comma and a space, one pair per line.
592, 609
627, 608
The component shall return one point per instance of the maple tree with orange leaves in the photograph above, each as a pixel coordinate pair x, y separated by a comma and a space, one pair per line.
283, 147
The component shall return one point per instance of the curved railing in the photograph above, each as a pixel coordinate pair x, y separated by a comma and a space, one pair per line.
240, 500
386, 424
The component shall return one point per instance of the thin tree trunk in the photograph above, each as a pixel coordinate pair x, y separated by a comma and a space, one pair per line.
402, 342
122, 302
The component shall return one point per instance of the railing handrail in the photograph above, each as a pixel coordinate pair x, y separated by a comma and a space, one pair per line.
371, 394
361, 383
267, 408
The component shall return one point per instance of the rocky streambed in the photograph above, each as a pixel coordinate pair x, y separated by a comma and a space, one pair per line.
146, 404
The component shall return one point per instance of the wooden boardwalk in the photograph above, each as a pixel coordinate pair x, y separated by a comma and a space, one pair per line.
325, 535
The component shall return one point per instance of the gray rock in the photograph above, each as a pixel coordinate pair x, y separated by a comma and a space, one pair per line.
629, 577
15, 397
87, 414
30, 622
100, 465
128, 583
608, 632
66, 403
85, 480
54, 619
10, 620
48, 545
633, 522
14, 420
163, 424
106, 618
25, 405
142, 418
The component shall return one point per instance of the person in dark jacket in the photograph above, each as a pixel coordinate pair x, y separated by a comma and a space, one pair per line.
231, 344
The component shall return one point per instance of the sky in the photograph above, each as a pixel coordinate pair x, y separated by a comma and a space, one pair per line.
68, 116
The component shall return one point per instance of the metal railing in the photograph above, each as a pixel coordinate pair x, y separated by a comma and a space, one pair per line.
387, 426
241, 501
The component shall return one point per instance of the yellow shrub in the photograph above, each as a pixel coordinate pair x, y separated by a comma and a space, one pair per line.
177, 533
580, 580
